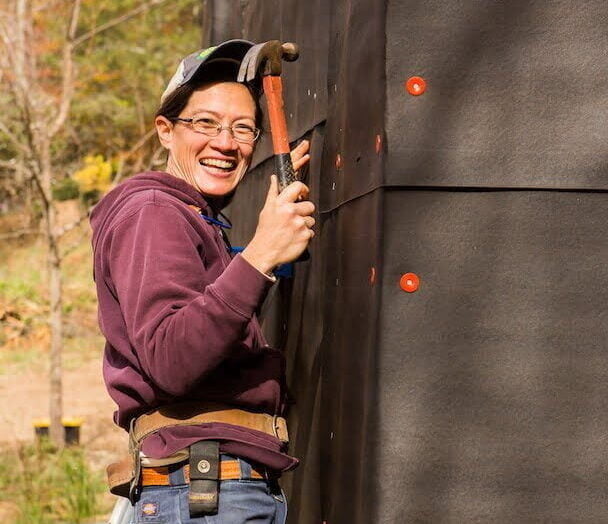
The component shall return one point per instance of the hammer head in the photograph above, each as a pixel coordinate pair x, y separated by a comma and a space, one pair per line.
269, 55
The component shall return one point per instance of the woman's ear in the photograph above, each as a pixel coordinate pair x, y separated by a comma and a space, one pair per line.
164, 129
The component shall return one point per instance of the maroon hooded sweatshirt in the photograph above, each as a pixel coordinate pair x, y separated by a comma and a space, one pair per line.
179, 317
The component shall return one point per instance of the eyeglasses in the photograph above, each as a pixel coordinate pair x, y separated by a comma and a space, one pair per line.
207, 126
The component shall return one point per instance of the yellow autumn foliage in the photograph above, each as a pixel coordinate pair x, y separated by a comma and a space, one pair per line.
96, 174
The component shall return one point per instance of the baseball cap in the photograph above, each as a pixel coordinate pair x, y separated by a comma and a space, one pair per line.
231, 51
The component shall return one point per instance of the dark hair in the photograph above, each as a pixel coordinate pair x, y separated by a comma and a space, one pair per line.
172, 106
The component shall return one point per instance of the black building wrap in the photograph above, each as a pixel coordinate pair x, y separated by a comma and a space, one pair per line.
481, 395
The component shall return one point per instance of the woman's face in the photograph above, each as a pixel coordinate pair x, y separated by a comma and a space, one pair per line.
213, 165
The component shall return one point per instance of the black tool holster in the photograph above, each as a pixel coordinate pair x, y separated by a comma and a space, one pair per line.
204, 478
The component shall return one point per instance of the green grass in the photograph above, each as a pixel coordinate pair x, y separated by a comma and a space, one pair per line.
20, 288
49, 486
21, 273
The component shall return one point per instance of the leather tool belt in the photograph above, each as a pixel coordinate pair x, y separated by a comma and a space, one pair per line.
124, 475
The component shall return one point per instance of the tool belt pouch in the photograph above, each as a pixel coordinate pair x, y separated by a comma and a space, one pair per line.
120, 476
123, 476
204, 474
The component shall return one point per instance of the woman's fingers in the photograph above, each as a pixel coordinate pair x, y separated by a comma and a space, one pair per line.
301, 162
309, 221
299, 155
294, 192
273, 190
299, 151
304, 208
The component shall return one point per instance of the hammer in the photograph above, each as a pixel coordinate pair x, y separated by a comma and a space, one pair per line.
270, 54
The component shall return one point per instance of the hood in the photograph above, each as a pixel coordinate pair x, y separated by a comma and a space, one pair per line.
109, 205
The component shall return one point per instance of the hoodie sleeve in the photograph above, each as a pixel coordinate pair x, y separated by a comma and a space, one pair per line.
181, 324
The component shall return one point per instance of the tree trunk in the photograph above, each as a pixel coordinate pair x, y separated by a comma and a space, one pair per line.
55, 299
56, 324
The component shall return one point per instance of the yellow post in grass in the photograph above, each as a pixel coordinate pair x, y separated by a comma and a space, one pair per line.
71, 428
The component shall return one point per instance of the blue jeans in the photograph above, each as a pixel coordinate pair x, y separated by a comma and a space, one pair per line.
240, 501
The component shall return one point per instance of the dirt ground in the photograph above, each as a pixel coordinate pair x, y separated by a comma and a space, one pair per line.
24, 397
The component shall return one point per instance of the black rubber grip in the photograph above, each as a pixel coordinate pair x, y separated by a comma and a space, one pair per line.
285, 170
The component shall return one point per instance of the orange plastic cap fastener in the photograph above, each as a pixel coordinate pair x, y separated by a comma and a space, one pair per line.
410, 282
416, 85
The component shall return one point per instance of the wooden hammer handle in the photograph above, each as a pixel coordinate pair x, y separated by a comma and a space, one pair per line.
273, 89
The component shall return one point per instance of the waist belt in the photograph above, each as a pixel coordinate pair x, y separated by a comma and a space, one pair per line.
228, 470
123, 476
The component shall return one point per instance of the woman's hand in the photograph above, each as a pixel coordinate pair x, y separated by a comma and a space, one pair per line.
300, 156
284, 228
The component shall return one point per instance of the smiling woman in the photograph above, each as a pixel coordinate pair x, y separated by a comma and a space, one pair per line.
202, 140
186, 361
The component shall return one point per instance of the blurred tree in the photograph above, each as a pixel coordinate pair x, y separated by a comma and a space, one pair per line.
95, 178
81, 77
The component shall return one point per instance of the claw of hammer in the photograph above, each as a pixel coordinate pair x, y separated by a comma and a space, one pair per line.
270, 54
